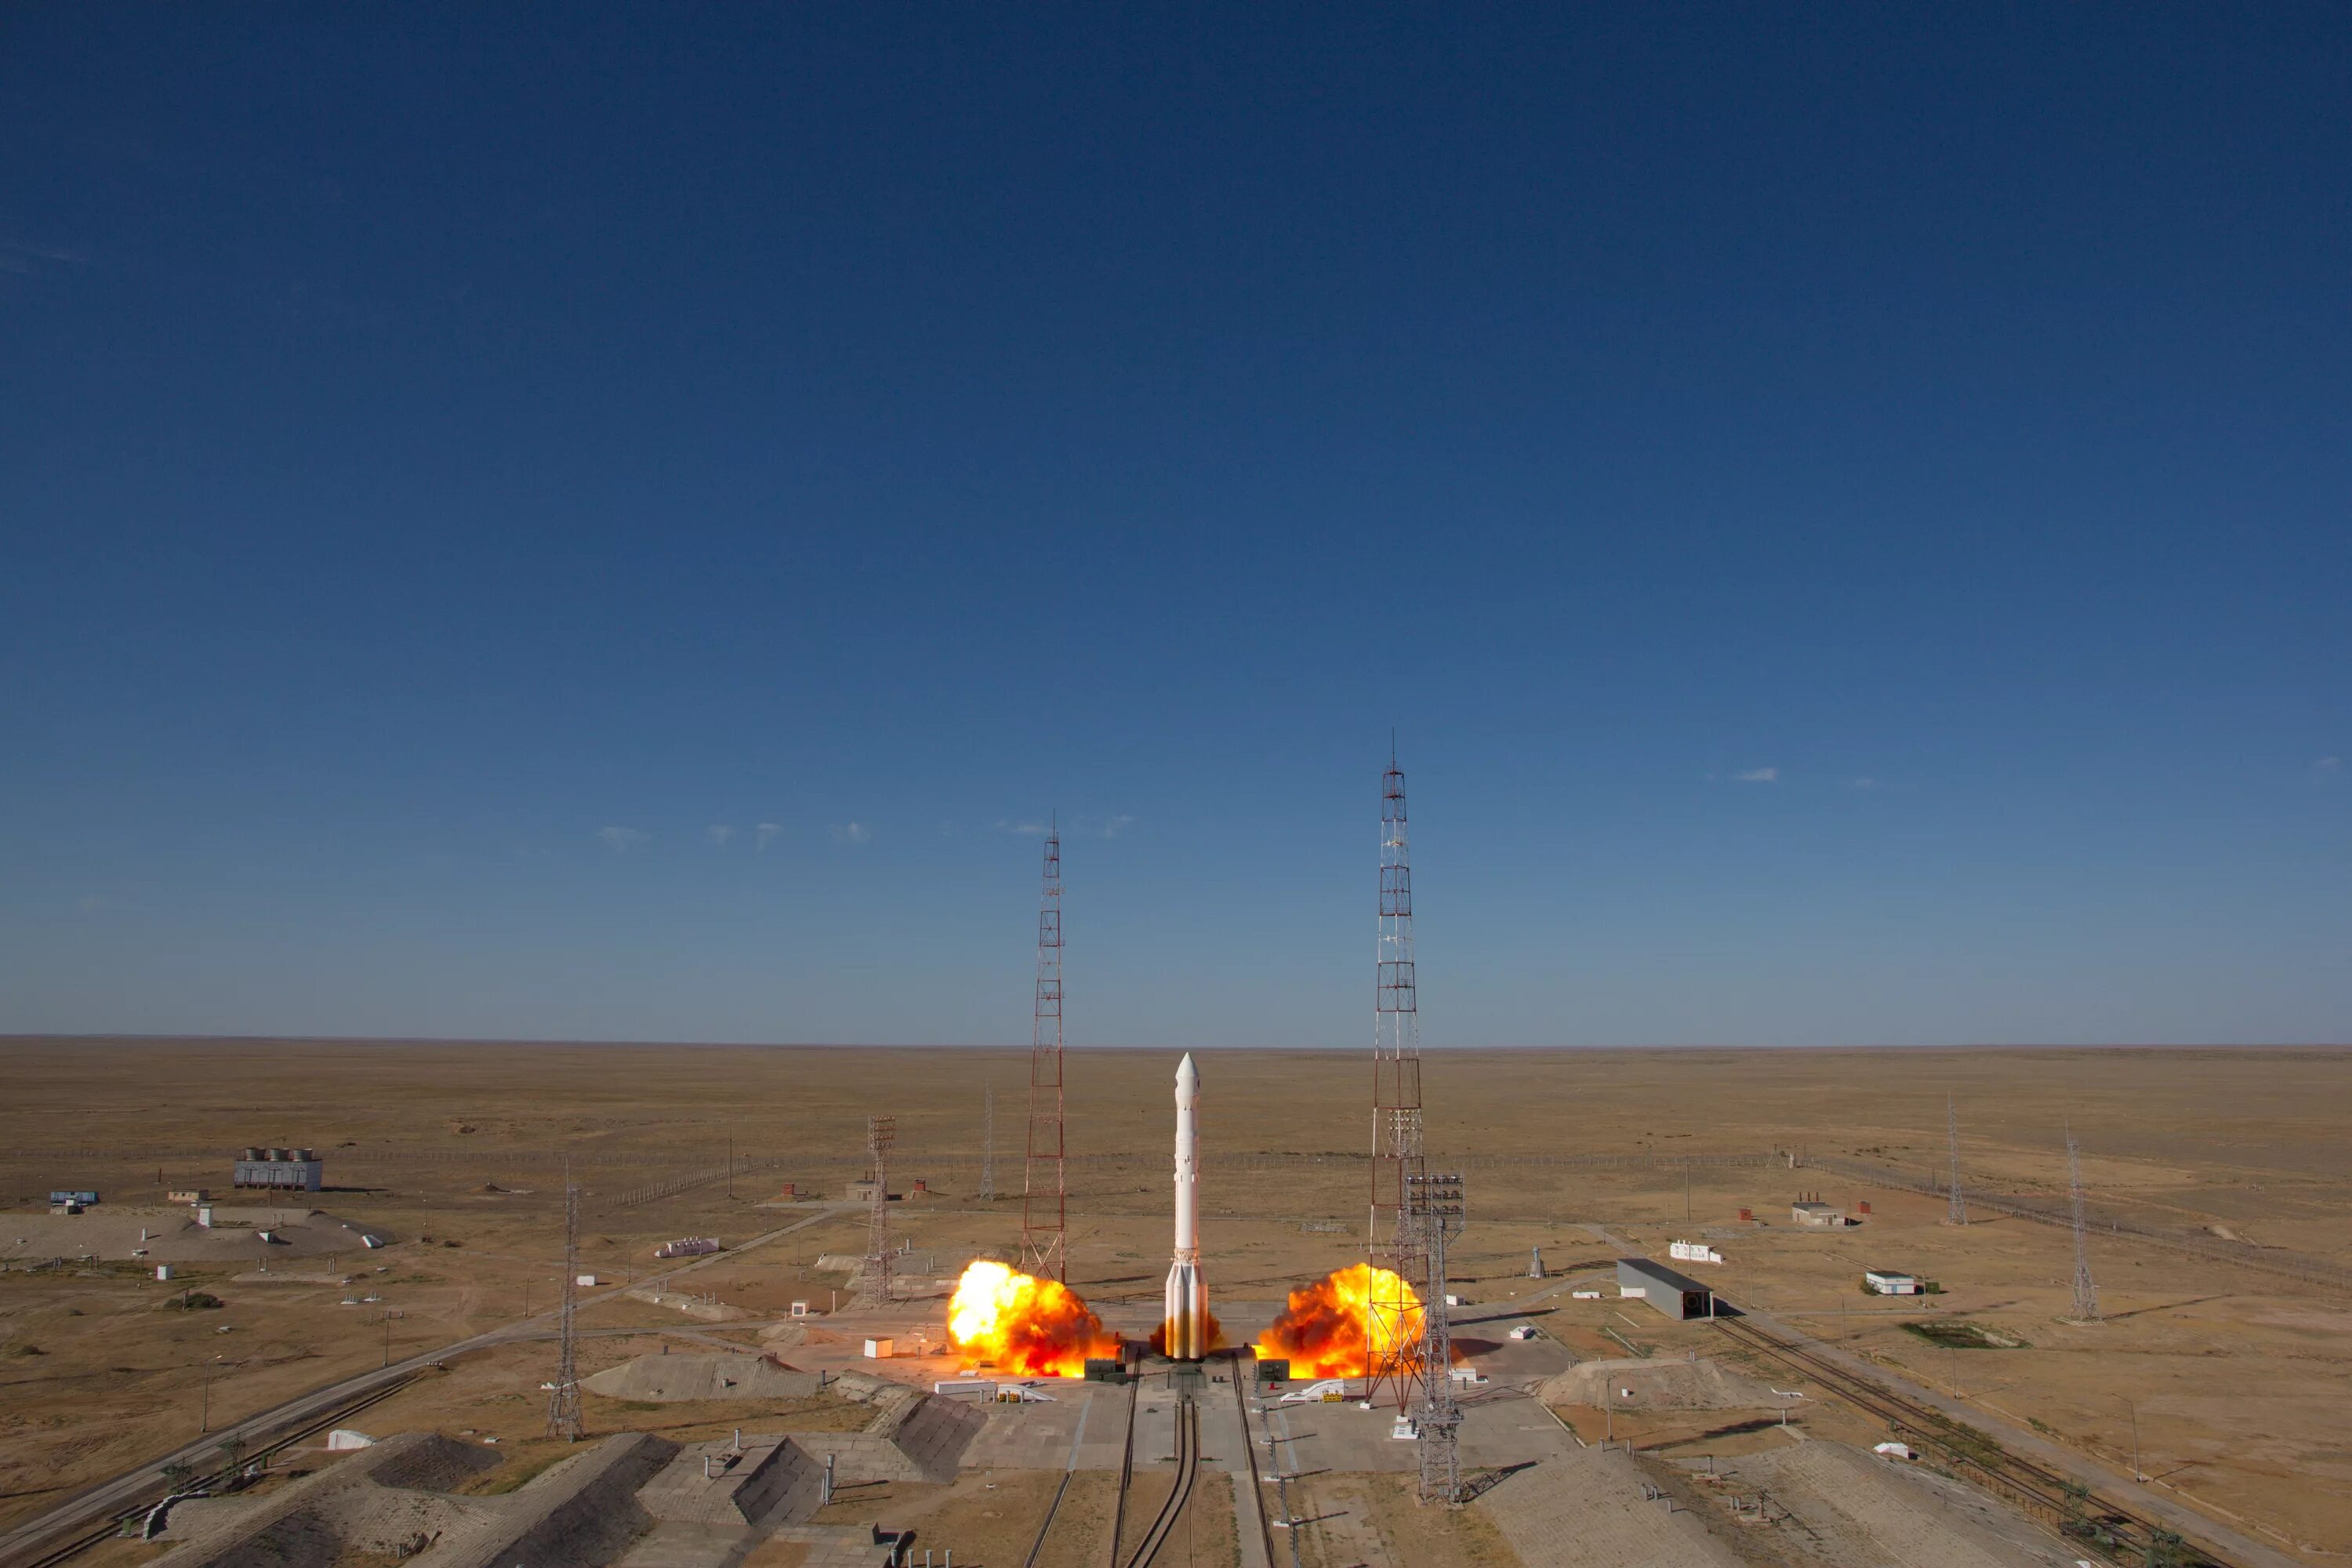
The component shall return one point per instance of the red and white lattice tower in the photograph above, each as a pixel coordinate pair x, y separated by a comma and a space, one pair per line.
1394, 1234
1045, 1188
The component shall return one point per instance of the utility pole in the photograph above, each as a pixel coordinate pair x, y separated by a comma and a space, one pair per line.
563, 1398
1958, 1212
1044, 1180
2086, 1289
1393, 1238
730, 1170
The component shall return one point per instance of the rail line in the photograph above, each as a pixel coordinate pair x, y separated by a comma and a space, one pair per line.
2080, 1514
1188, 1465
75, 1546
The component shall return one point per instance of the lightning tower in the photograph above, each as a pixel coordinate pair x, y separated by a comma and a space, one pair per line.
988, 1145
2086, 1289
1436, 1204
1959, 1213
1045, 1184
1394, 1239
563, 1393
874, 1279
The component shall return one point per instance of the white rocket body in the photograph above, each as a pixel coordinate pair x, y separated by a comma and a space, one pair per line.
1186, 1334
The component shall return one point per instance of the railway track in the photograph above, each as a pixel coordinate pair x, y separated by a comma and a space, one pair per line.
2080, 1514
1188, 1467
81, 1542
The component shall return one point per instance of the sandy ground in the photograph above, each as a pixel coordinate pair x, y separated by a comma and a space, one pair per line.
2236, 1380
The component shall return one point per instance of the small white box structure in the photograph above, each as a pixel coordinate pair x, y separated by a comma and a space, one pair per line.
204, 1216
1585, 1295
1884, 1282
800, 1309
1693, 1252
1626, 1290
1524, 1331
1467, 1375
1895, 1450
965, 1385
368, 1240
1453, 1301
881, 1350
343, 1439
585, 1280
163, 1272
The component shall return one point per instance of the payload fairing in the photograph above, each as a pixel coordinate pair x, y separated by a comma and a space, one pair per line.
1185, 1334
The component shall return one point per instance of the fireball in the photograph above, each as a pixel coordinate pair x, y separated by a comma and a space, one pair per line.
1328, 1329
1028, 1326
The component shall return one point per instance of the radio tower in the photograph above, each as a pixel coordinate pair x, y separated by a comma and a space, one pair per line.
1393, 1236
874, 1279
563, 1393
1045, 1189
2086, 1289
1958, 1214
988, 1145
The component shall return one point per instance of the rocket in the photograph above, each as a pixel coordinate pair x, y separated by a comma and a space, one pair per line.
1186, 1331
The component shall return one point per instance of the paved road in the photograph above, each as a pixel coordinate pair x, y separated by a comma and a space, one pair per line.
112, 1497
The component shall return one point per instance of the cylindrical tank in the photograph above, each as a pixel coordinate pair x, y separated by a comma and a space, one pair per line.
253, 1153
276, 1153
306, 1153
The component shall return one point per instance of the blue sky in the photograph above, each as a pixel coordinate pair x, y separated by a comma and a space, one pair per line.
1844, 510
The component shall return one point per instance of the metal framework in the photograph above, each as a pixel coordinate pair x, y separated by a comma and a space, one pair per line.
1958, 1212
563, 1393
874, 1279
988, 1145
1393, 1238
2086, 1289
1044, 1180
1435, 1206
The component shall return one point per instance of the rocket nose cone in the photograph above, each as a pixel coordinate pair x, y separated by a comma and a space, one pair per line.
1187, 1075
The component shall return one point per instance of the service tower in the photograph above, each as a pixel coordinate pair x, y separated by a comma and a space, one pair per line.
1185, 1335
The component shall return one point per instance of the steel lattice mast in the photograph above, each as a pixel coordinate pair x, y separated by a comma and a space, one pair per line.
987, 1145
2086, 1289
1044, 1186
1958, 1211
1393, 1238
1436, 1203
874, 1279
563, 1393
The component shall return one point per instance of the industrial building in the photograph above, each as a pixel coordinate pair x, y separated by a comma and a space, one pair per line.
1812, 1212
1678, 1295
1887, 1282
288, 1170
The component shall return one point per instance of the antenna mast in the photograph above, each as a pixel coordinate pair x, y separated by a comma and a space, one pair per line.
2086, 1289
563, 1395
1045, 1189
1958, 1214
987, 1145
1393, 1236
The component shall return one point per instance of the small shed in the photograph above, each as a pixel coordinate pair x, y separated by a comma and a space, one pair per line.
1888, 1282
880, 1349
1817, 1213
1678, 1295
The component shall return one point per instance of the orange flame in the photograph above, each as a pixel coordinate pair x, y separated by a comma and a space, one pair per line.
1028, 1326
1329, 1330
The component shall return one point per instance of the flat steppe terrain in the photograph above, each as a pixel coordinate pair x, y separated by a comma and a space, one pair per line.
2237, 1378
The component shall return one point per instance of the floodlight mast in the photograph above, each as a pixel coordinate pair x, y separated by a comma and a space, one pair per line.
1044, 1180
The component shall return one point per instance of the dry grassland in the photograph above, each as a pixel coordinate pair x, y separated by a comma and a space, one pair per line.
2238, 1379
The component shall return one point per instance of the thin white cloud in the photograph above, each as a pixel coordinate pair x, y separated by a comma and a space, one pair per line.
720, 833
851, 831
2328, 765
1864, 781
1112, 827
1757, 775
764, 833
1027, 829
624, 840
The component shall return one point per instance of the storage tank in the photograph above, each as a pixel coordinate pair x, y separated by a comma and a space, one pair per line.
253, 1153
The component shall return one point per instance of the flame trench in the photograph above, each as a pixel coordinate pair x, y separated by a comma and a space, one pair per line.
1328, 1329
1028, 1326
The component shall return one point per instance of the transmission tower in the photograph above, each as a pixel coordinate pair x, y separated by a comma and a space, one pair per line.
988, 1145
1435, 1206
2086, 1289
1044, 1187
1393, 1239
873, 1281
563, 1395
1958, 1214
